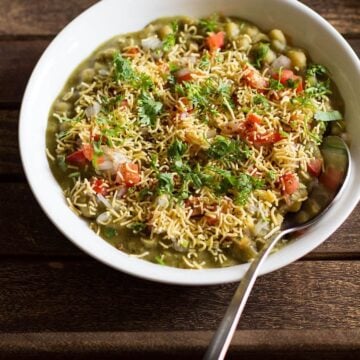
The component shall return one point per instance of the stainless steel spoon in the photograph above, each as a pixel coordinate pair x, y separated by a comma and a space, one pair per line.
337, 158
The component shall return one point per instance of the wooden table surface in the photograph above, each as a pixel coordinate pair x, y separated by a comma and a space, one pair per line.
57, 302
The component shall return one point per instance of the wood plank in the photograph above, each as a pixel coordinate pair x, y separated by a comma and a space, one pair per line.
18, 59
33, 234
38, 17
47, 17
344, 15
250, 344
10, 163
79, 296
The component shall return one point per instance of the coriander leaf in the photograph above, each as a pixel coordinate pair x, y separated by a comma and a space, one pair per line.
204, 63
261, 100
148, 109
276, 85
177, 149
328, 115
137, 227
143, 82
143, 193
242, 197
209, 24
169, 42
109, 232
62, 163
160, 260
259, 53
226, 149
316, 70
123, 69
165, 183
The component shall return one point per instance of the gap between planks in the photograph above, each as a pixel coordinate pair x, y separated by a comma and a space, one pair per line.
181, 342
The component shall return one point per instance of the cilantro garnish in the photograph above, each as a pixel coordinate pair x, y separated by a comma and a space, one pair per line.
170, 40
148, 109
209, 24
259, 53
177, 149
137, 227
109, 232
123, 69
165, 183
226, 149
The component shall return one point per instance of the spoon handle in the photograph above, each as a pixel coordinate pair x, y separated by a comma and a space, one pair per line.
222, 338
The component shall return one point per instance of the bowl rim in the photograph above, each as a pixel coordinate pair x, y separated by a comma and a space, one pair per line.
149, 270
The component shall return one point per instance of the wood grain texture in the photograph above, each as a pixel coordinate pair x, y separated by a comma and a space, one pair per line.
33, 234
87, 296
18, 58
47, 17
38, 17
344, 15
247, 344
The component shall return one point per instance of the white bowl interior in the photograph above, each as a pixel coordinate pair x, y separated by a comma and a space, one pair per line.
79, 39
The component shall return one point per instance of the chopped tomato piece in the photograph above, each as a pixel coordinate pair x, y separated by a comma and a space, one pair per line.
314, 167
132, 51
77, 158
88, 151
252, 120
254, 79
331, 178
98, 186
255, 119
286, 76
124, 103
290, 183
269, 138
129, 173
183, 75
211, 219
300, 86
215, 41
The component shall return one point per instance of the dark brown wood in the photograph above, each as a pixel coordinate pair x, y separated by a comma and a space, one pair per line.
26, 232
47, 17
38, 17
343, 14
250, 344
47, 295
18, 59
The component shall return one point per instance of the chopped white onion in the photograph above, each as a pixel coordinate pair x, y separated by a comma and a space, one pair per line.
151, 43
103, 218
177, 247
118, 158
261, 228
92, 110
103, 200
106, 164
121, 192
162, 201
281, 62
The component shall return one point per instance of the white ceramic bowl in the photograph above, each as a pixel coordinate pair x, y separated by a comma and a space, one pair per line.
111, 17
